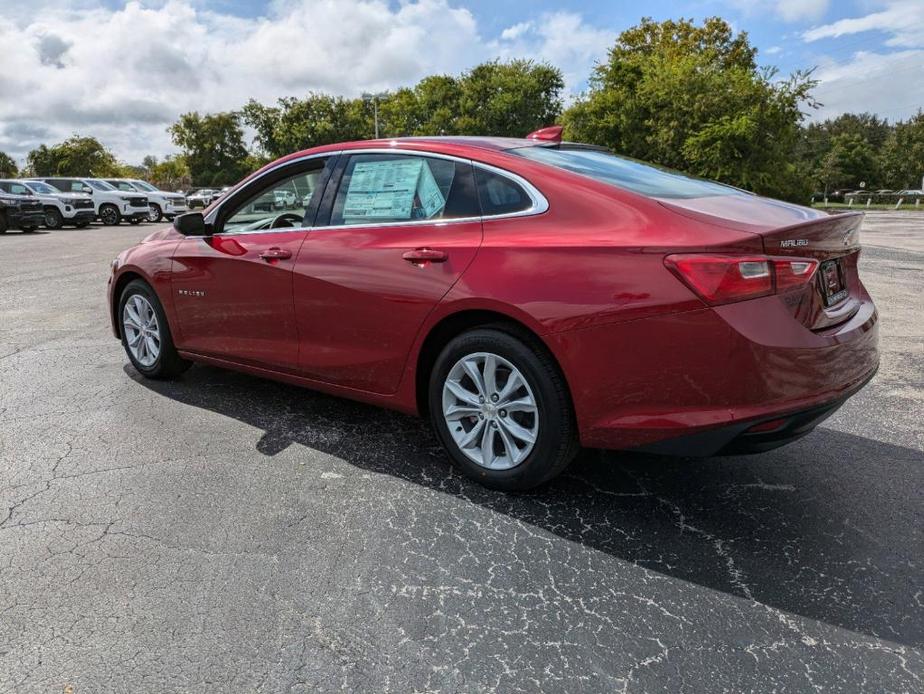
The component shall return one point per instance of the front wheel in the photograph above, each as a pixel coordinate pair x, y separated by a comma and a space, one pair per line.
502, 410
53, 218
146, 334
154, 213
110, 215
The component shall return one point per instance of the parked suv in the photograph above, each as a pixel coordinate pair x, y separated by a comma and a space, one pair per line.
201, 198
161, 203
19, 212
60, 208
112, 205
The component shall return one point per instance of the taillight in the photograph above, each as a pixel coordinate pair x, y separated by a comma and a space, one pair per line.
723, 279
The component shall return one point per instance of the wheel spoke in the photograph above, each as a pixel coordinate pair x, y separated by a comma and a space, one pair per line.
462, 393
472, 435
487, 446
525, 404
456, 412
490, 375
510, 448
471, 368
517, 431
132, 312
133, 340
514, 383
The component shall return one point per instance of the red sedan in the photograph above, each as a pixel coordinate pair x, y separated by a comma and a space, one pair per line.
528, 296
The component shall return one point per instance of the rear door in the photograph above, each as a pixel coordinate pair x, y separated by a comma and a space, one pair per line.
395, 232
232, 291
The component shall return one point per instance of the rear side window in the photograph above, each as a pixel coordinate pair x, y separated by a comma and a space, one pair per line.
393, 188
626, 173
500, 195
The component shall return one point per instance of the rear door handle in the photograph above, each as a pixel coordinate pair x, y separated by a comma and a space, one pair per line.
421, 256
276, 254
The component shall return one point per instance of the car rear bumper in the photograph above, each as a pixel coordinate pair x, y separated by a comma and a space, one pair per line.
756, 436
702, 378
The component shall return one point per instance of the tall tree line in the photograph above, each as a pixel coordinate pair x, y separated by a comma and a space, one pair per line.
685, 95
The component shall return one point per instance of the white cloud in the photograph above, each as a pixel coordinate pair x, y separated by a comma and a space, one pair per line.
890, 83
798, 10
787, 10
902, 19
562, 39
124, 75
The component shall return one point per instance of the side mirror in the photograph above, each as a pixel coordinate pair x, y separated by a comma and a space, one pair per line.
191, 224
88, 190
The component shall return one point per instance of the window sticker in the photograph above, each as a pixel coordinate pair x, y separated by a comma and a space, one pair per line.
382, 189
428, 192
392, 190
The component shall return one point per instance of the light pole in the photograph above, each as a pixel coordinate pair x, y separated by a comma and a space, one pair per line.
374, 98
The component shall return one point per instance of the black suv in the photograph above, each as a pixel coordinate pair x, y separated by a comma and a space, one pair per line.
20, 212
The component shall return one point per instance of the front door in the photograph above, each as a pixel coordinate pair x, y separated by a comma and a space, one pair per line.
392, 238
232, 291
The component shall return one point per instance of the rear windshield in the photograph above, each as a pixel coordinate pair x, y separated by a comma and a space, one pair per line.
623, 172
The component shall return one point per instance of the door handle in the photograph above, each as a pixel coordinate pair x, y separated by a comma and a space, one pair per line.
425, 256
276, 254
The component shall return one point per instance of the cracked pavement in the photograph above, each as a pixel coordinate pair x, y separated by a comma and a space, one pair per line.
223, 533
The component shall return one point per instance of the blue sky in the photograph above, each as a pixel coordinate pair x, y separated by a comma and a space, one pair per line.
159, 58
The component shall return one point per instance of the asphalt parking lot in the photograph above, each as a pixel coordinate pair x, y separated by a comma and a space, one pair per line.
223, 533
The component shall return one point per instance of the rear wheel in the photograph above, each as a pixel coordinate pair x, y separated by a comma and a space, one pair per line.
146, 334
501, 409
53, 218
110, 215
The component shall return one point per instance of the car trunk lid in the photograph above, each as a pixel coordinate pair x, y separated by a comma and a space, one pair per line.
794, 231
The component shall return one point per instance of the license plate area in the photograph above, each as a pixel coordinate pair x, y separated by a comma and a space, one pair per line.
831, 277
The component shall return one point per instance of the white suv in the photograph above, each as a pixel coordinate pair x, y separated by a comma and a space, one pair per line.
76, 209
162, 203
112, 205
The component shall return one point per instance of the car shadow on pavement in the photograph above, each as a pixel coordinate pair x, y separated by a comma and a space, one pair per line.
828, 528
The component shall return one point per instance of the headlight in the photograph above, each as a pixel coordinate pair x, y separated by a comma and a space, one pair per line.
125, 197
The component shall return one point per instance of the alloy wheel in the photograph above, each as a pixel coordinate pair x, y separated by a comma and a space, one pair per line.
142, 332
490, 411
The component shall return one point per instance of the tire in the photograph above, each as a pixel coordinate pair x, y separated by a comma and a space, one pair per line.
3, 223
109, 215
53, 218
156, 214
550, 421
166, 363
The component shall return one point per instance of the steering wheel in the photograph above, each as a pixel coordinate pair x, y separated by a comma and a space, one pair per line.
287, 219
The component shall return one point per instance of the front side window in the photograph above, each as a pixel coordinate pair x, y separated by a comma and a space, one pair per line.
282, 204
395, 188
630, 174
17, 189
68, 185
122, 185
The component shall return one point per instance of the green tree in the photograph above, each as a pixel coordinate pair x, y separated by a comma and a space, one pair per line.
849, 162
170, 174
319, 119
8, 168
815, 143
903, 155
692, 97
509, 99
213, 146
76, 156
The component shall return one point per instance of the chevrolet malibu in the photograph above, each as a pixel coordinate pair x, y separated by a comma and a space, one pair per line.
527, 296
